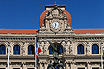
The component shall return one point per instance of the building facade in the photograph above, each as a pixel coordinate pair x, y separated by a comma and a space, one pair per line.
80, 49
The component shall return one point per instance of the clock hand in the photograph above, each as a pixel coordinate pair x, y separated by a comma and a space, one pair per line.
55, 24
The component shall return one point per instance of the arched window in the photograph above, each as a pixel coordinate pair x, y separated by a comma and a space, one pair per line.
51, 50
31, 49
95, 49
61, 50
2, 49
16, 50
80, 49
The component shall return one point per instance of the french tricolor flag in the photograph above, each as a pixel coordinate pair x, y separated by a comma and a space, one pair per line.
38, 50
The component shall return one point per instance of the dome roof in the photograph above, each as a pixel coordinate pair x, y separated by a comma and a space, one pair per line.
68, 15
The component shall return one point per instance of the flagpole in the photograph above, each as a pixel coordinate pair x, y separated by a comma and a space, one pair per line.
35, 54
101, 57
8, 54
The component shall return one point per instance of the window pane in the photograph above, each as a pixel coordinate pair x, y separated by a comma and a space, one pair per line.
80, 49
51, 51
16, 49
95, 49
31, 50
2, 49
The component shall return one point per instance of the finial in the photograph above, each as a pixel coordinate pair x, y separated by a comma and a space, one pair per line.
55, 2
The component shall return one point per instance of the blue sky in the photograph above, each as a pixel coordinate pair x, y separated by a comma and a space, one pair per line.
25, 14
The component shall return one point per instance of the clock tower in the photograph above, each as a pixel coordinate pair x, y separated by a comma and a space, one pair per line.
55, 19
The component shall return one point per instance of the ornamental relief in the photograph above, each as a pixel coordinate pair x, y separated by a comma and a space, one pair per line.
88, 48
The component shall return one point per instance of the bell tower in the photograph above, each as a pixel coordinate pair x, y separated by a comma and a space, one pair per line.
55, 19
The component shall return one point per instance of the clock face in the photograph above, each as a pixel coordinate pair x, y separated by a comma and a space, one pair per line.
55, 25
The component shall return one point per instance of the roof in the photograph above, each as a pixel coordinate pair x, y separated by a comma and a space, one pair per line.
82, 31
18, 30
42, 16
77, 31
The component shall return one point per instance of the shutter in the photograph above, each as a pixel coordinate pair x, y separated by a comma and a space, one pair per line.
96, 49
33, 50
14, 50
18, 49
0, 50
4, 50
60, 49
82, 49
50, 50
29, 49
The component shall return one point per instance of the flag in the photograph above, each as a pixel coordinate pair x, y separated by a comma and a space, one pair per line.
38, 50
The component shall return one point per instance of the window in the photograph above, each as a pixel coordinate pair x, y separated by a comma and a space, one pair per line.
51, 50
2, 49
31, 50
95, 49
80, 49
61, 50
16, 50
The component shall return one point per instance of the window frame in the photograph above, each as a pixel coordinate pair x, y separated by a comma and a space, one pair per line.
28, 50
94, 48
19, 49
80, 46
5, 50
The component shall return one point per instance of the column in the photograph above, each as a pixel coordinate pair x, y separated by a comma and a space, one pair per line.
88, 65
41, 66
45, 65
10, 65
67, 66
24, 66
72, 65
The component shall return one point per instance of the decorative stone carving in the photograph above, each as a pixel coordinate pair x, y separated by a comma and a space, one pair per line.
71, 49
88, 48
41, 47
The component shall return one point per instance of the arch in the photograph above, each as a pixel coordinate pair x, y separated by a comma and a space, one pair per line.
31, 50
51, 50
68, 15
2, 49
16, 50
95, 49
80, 49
